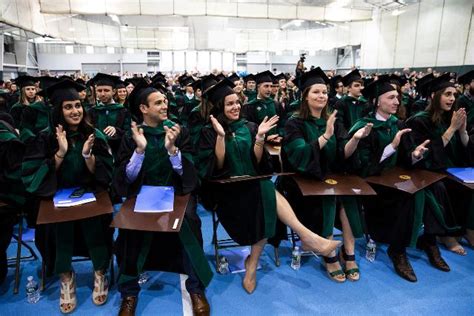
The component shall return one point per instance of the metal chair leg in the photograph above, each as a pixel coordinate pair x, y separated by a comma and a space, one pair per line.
112, 271
214, 238
18, 256
43, 276
277, 257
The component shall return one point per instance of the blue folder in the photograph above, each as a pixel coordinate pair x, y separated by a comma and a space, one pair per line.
62, 198
155, 199
466, 175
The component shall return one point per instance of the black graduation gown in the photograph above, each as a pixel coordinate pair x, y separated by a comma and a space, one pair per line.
393, 216
138, 250
115, 115
301, 154
350, 109
439, 158
246, 209
12, 191
256, 110
42, 181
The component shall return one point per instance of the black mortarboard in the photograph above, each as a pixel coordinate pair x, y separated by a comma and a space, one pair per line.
440, 83
196, 84
132, 81
466, 78
159, 77
205, 82
25, 81
185, 80
120, 84
81, 81
351, 77
220, 77
264, 76
139, 96
400, 81
422, 84
311, 77
281, 76
64, 90
47, 81
234, 77
378, 87
335, 80
249, 77
219, 91
102, 79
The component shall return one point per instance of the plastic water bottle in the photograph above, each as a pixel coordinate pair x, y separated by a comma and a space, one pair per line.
223, 265
370, 250
296, 258
143, 278
32, 291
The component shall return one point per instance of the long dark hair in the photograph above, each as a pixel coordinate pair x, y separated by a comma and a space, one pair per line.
85, 128
436, 113
305, 113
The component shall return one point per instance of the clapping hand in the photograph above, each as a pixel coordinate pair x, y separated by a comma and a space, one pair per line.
139, 138
420, 150
363, 132
62, 140
217, 126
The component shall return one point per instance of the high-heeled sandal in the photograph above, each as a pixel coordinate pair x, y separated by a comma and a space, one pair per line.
250, 287
334, 275
351, 274
67, 298
101, 289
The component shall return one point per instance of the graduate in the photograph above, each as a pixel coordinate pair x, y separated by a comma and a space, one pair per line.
421, 102
28, 96
379, 142
466, 100
200, 114
250, 87
158, 153
36, 117
12, 191
450, 146
232, 147
285, 95
187, 101
263, 105
352, 106
110, 117
76, 155
121, 93
337, 90
313, 147
238, 87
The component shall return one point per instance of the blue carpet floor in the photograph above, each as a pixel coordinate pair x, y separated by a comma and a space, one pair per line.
280, 290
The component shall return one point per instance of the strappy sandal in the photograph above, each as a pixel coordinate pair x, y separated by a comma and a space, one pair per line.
67, 298
338, 276
101, 289
351, 274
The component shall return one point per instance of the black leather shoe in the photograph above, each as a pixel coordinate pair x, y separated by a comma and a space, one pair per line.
200, 305
434, 255
128, 306
402, 265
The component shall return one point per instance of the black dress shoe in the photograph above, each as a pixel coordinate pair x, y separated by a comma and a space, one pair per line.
200, 305
434, 255
128, 306
402, 265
